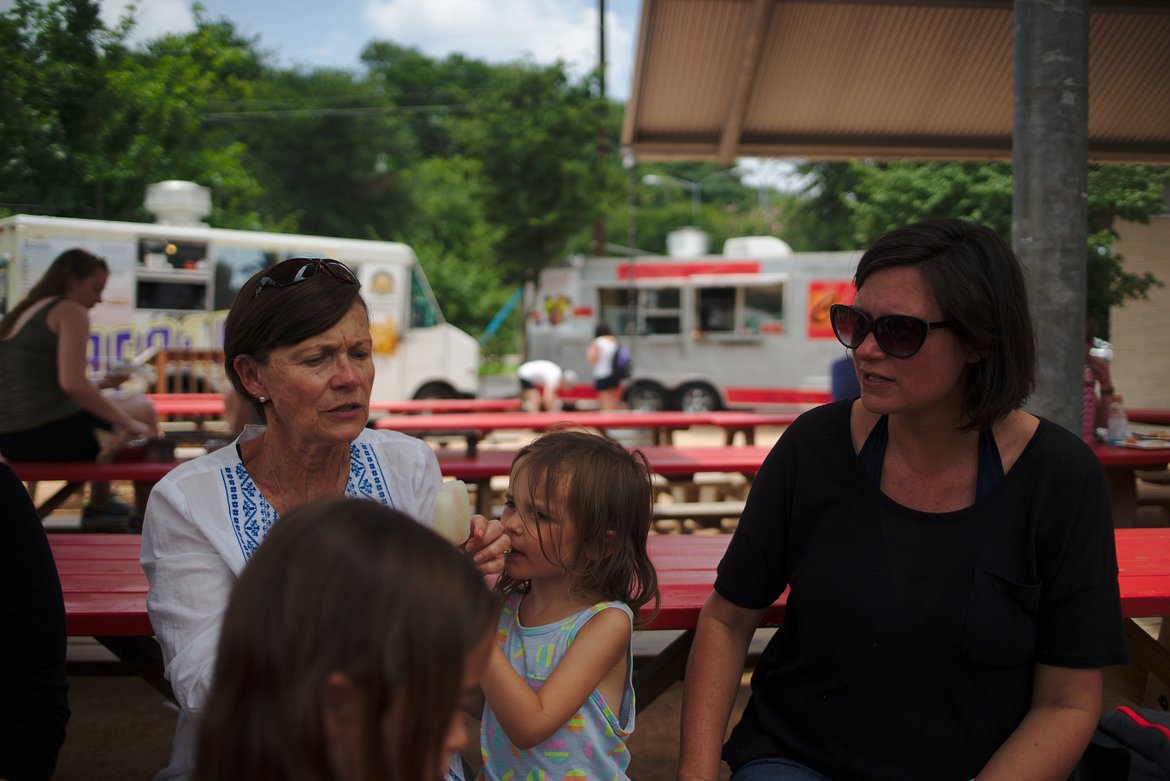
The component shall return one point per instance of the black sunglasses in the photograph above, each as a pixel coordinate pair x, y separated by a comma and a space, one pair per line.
899, 336
294, 270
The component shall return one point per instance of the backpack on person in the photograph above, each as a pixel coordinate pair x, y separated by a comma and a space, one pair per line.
623, 362
1130, 744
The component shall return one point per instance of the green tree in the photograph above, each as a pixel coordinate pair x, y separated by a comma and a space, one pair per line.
329, 149
533, 132
155, 123
87, 124
1132, 193
454, 241
52, 98
865, 199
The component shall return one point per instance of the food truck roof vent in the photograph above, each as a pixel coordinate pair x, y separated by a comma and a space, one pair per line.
176, 202
687, 242
755, 246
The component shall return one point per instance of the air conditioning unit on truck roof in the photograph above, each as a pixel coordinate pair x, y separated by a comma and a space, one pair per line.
748, 328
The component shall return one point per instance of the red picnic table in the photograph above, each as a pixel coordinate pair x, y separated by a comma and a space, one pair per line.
1121, 465
105, 598
474, 425
417, 406
187, 405
1154, 417
211, 405
669, 461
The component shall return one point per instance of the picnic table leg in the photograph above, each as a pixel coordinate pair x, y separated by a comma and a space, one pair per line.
56, 500
144, 655
660, 673
1157, 694
1122, 484
483, 497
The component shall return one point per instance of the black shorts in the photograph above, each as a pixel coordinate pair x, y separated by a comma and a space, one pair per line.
606, 383
67, 439
526, 385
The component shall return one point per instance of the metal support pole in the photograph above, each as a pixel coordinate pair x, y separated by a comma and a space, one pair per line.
1049, 202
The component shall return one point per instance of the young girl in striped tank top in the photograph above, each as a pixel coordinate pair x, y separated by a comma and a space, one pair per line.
558, 687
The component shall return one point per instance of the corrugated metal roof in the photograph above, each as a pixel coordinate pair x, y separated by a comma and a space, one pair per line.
827, 79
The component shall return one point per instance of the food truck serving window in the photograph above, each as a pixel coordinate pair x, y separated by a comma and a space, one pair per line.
740, 309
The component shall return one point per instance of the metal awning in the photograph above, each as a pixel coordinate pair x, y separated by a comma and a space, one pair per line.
877, 79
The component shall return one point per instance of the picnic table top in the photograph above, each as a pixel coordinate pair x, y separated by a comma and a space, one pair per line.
539, 421
665, 460
1112, 456
212, 404
105, 589
1156, 417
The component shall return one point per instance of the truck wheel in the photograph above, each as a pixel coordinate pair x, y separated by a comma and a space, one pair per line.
698, 397
436, 390
646, 397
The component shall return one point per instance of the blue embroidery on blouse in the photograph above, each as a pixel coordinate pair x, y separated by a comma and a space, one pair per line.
252, 516
366, 478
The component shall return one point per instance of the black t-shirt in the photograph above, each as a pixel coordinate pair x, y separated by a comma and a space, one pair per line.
910, 638
33, 689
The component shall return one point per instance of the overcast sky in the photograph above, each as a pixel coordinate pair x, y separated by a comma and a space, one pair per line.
334, 32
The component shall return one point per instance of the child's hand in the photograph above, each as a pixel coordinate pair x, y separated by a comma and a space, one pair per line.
488, 544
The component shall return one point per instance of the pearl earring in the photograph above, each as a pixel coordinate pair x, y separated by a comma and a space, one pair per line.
261, 399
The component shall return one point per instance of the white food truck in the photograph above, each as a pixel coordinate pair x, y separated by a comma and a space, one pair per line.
748, 328
172, 282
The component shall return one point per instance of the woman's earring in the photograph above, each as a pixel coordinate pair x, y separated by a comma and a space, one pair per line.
261, 399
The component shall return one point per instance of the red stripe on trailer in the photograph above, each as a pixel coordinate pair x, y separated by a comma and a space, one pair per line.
675, 270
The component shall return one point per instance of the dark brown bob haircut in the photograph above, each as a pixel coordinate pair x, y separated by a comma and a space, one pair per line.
281, 317
979, 284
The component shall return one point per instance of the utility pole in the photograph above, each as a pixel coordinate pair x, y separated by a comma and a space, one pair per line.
602, 146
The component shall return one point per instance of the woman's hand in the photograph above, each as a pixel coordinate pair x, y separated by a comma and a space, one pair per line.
1099, 367
136, 428
114, 379
487, 545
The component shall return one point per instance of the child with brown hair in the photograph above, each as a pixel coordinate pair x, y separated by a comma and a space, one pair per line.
349, 640
559, 686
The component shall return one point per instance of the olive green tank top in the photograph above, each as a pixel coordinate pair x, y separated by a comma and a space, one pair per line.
30, 394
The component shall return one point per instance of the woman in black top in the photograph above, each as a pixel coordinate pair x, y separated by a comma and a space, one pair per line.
34, 707
953, 582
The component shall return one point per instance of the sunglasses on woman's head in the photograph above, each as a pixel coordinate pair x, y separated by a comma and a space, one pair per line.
294, 270
899, 336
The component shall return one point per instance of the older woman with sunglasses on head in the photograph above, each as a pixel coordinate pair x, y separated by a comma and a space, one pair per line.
296, 344
950, 559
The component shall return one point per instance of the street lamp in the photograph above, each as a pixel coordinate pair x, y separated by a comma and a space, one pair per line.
656, 180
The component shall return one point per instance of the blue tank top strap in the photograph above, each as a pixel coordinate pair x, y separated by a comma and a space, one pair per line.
873, 452
989, 470
990, 465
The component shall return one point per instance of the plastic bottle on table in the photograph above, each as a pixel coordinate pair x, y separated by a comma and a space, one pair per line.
1118, 422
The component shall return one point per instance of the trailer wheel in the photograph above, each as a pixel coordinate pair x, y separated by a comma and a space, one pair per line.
698, 397
646, 397
436, 390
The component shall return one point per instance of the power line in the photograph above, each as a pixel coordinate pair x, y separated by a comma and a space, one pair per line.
354, 111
